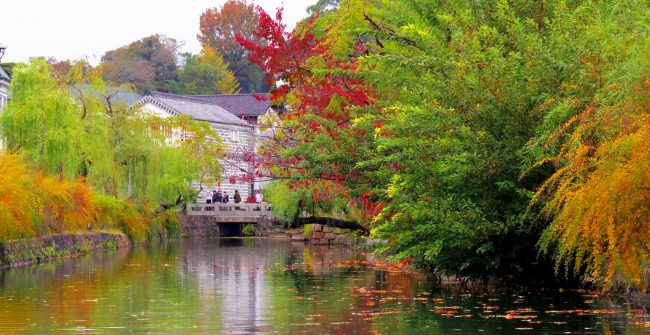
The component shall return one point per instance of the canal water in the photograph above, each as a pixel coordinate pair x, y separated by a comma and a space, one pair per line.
257, 286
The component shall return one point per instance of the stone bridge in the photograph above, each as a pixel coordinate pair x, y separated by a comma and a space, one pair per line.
232, 213
219, 220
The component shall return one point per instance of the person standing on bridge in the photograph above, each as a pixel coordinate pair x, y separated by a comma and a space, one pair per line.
237, 197
225, 197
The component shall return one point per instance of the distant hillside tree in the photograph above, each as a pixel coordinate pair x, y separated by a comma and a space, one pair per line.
206, 73
149, 64
323, 6
218, 27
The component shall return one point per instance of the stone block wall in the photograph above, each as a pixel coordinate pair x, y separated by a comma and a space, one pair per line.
36, 250
323, 234
199, 226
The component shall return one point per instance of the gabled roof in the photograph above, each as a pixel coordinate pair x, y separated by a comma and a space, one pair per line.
246, 104
197, 108
4, 76
119, 95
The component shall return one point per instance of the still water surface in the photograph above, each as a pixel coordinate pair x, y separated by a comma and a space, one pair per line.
256, 286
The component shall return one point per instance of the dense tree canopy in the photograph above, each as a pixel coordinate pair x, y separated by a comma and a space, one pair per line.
97, 160
218, 28
148, 64
206, 73
468, 134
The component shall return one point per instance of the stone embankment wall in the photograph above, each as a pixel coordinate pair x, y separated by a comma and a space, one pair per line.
199, 226
37, 250
208, 226
321, 234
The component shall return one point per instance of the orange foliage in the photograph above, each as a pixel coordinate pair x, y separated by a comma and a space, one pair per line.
37, 203
66, 205
16, 198
600, 195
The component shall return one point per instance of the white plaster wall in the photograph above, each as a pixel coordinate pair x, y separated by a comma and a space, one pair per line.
155, 110
4, 98
237, 140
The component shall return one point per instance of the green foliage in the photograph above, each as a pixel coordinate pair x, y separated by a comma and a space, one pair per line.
306, 232
114, 165
218, 27
47, 128
170, 223
248, 230
285, 201
477, 110
206, 73
494, 83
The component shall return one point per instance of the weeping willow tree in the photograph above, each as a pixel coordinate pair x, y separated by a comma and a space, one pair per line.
42, 120
129, 153
79, 127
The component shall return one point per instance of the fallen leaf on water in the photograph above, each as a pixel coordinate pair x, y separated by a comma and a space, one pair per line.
641, 324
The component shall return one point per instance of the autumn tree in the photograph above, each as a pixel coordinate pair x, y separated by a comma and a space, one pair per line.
96, 159
218, 27
206, 73
61, 67
430, 117
17, 206
148, 64
595, 138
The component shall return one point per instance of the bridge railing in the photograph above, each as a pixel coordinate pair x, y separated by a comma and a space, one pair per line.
230, 210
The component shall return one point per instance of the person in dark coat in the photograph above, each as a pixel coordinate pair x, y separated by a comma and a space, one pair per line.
225, 198
237, 197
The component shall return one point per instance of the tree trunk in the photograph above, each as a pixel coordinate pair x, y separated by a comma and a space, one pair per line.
129, 190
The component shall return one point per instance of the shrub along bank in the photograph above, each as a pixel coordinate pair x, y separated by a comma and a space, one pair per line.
76, 159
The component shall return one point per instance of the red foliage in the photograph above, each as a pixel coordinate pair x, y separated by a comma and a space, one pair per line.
327, 99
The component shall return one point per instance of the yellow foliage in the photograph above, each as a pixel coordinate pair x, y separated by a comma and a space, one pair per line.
17, 208
600, 197
67, 205
33, 204
134, 221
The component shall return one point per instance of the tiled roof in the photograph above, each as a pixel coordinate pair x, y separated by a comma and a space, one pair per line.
3, 75
198, 109
239, 104
122, 96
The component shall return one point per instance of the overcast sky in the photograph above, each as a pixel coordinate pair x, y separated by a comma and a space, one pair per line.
73, 29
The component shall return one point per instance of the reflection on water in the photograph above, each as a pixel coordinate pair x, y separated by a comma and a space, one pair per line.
254, 286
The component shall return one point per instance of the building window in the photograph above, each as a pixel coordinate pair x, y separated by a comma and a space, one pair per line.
234, 135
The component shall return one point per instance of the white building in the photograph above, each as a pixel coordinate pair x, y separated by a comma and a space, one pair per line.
4, 88
233, 116
4, 93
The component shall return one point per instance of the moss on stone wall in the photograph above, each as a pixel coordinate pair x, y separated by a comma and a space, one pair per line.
37, 250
